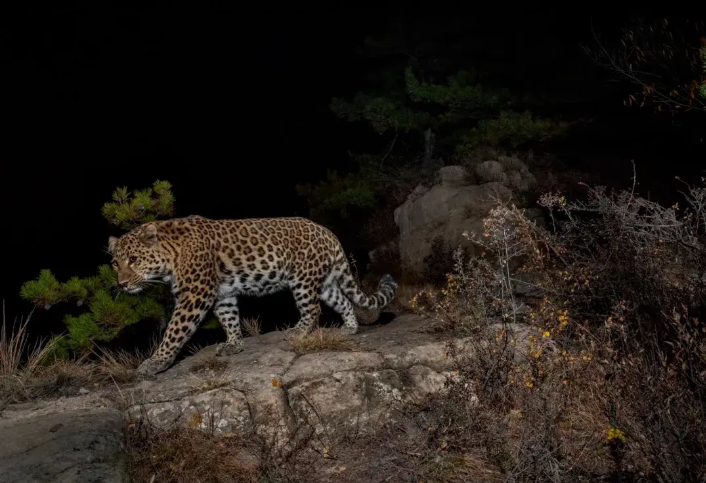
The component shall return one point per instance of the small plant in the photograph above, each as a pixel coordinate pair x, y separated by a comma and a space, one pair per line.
128, 210
119, 366
252, 327
32, 372
211, 363
106, 311
20, 364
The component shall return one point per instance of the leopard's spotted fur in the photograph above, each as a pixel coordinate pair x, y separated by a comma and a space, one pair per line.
211, 262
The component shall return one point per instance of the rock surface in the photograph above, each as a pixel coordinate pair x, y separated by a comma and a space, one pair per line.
78, 446
446, 212
455, 206
267, 389
453, 176
270, 389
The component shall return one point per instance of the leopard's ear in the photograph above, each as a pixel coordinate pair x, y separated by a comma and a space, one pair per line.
148, 234
112, 241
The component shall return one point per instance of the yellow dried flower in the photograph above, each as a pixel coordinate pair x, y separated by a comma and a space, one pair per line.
615, 433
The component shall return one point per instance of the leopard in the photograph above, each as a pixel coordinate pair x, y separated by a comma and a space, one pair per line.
210, 263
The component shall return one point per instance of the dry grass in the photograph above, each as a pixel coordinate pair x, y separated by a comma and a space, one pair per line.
251, 326
566, 419
118, 366
32, 372
189, 455
321, 340
20, 365
65, 377
445, 467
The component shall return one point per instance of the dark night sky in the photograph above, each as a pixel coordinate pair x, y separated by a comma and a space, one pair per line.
229, 105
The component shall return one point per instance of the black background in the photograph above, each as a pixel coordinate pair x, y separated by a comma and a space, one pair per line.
231, 106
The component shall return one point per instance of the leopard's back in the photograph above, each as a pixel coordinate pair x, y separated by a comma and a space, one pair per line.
258, 256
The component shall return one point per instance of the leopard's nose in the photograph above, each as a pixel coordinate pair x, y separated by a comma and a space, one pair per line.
123, 283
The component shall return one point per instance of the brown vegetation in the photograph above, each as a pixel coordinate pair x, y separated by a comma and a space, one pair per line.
319, 340
32, 372
251, 326
600, 372
187, 454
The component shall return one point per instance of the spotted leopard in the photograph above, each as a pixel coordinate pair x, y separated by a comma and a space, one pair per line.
209, 263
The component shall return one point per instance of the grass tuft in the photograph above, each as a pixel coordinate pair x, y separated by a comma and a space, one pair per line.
321, 340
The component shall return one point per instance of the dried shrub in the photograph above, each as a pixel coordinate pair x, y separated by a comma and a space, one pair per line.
119, 366
33, 372
588, 355
406, 295
186, 454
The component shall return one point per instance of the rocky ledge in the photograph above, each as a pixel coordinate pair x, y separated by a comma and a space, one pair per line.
270, 388
267, 389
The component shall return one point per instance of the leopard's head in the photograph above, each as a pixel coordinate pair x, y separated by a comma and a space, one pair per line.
139, 257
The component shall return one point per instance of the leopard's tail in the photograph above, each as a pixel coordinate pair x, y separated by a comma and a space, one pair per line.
387, 287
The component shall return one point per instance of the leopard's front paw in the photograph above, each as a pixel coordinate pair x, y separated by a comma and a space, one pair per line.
230, 348
151, 367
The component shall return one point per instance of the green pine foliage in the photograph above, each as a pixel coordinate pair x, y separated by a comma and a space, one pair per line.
105, 310
460, 93
107, 315
45, 291
422, 105
463, 115
128, 210
339, 194
383, 113
510, 129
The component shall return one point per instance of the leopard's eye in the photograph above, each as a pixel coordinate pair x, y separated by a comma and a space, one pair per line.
115, 264
133, 259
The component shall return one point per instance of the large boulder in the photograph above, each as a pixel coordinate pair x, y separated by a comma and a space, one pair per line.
508, 170
456, 205
446, 210
453, 176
